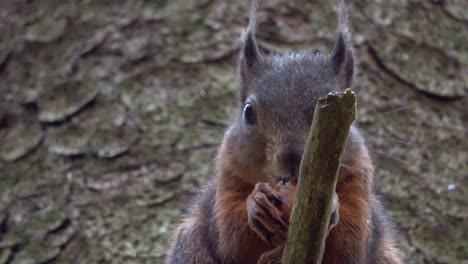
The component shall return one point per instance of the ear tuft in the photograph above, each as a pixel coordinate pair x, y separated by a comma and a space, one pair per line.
250, 55
343, 53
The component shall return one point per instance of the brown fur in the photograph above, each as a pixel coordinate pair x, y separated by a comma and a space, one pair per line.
388, 253
240, 217
348, 241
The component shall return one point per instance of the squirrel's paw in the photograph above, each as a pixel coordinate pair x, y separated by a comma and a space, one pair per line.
335, 215
273, 256
264, 215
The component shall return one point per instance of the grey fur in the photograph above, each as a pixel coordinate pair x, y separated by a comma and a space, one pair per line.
284, 89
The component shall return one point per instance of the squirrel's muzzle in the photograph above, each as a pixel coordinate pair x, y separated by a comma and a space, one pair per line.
289, 160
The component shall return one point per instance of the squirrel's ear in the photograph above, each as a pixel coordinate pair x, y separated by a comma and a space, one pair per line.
250, 55
343, 52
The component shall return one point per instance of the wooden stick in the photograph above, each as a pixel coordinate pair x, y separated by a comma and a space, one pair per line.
312, 207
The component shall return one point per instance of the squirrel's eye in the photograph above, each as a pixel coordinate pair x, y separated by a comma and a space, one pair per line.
249, 114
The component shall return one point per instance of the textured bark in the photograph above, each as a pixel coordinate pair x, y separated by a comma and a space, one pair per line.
111, 113
312, 207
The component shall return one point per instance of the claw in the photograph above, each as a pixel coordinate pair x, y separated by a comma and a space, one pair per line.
282, 224
264, 214
276, 200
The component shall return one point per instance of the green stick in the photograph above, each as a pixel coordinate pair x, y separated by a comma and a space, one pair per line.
312, 207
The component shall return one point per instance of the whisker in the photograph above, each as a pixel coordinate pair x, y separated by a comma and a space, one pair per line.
395, 139
394, 158
403, 108
405, 142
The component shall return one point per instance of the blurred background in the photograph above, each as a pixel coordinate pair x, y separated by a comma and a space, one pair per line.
111, 113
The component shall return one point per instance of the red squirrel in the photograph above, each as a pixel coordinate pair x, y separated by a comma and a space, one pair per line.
241, 216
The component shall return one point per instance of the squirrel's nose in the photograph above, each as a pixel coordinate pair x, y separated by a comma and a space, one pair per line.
290, 160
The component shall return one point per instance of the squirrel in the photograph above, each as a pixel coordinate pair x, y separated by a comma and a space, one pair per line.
241, 215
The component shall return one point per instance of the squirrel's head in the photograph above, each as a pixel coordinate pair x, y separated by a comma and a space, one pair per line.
278, 94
